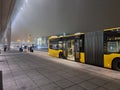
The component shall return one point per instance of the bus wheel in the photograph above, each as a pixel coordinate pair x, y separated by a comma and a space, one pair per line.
60, 55
116, 64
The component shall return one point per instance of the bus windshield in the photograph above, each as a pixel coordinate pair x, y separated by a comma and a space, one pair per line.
55, 44
113, 46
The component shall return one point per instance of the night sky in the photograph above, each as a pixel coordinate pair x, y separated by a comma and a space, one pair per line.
50, 17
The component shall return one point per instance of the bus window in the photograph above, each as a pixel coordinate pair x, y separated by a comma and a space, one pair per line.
69, 44
69, 47
81, 42
77, 48
112, 46
60, 45
119, 46
81, 45
54, 46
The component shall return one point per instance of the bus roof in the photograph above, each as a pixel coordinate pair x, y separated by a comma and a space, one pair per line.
117, 28
76, 34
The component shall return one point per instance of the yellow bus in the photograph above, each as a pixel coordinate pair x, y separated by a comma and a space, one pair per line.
100, 48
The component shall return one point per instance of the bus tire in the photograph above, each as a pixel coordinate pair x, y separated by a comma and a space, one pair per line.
60, 55
116, 64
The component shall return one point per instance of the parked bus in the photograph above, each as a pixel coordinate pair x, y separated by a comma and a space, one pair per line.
100, 48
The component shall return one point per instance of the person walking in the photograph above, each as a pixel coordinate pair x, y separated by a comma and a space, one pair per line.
5, 48
31, 49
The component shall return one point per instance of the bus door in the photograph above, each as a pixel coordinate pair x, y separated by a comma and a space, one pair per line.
77, 50
70, 49
64, 49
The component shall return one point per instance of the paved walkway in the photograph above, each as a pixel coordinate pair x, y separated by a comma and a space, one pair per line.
38, 71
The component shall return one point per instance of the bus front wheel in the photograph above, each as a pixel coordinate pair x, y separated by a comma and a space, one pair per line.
116, 64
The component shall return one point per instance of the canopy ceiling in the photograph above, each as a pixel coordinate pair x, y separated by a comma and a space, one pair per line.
6, 7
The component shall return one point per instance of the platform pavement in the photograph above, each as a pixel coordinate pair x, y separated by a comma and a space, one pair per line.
39, 71
93, 69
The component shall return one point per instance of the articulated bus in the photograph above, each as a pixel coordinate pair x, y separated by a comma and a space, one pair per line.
100, 48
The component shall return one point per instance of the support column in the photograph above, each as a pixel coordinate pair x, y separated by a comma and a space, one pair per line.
9, 36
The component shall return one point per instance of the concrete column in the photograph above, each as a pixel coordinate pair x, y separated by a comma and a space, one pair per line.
4, 39
9, 36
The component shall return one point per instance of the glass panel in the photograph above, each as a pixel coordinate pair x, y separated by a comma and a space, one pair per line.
112, 46
69, 44
81, 45
77, 49
64, 45
69, 47
54, 45
80, 42
60, 45
119, 46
